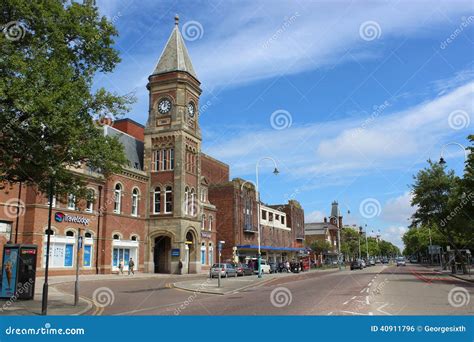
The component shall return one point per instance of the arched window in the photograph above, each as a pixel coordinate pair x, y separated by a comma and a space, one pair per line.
168, 199
193, 203
157, 200
135, 202
116, 237
210, 222
203, 221
46, 232
88, 235
134, 238
69, 233
118, 198
71, 202
186, 200
90, 200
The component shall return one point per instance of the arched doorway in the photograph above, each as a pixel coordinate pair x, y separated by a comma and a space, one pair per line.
162, 254
190, 253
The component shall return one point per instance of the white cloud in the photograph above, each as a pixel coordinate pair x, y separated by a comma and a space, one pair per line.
314, 216
394, 235
340, 148
398, 209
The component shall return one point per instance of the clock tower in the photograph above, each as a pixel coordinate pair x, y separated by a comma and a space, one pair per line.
172, 161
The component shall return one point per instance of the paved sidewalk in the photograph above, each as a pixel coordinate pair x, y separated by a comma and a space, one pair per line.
60, 303
465, 277
236, 284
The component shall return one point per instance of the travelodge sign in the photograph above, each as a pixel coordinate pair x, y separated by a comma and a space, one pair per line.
60, 217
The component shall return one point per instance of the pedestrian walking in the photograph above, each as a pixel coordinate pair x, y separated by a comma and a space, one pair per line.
120, 266
131, 264
180, 266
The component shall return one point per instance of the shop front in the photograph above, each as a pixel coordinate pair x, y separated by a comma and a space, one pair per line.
272, 254
124, 250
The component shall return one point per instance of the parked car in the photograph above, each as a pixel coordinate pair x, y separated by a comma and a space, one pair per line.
243, 269
362, 261
356, 265
385, 261
372, 262
273, 267
413, 260
226, 270
401, 261
378, 261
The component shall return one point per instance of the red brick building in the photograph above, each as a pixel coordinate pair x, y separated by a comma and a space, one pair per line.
282, 226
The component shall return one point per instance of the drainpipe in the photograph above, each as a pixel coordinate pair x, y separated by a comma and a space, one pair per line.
98, 232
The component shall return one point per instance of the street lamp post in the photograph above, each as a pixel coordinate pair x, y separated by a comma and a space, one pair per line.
44, 301
76, 284
360, 233
257, 194
366, 242
219, 249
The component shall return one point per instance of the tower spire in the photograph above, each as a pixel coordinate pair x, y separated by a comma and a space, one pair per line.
176, 19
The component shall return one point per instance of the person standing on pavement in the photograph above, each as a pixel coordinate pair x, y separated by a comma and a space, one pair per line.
131, 265
120, 267
180, 266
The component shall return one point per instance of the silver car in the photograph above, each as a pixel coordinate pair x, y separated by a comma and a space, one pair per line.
225, 270
401, 261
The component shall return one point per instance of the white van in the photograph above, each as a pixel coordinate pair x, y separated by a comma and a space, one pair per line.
264, 266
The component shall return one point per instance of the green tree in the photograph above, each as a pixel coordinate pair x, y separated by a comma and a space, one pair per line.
320, 246
50, 52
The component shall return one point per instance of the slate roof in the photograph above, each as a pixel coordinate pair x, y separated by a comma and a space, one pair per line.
133, 148
175, 56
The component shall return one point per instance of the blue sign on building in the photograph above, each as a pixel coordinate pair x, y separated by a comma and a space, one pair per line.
175, 252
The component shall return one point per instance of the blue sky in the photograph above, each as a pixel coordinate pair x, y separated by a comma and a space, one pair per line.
349, 97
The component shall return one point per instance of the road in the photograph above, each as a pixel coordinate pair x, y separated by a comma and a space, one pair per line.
378, 290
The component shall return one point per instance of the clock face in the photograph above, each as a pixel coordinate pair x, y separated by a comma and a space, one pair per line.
191, 109
164, 107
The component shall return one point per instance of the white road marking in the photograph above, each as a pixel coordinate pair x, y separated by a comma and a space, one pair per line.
329, 314
370, 284
362, 290
367, 290
354, 313
367, 300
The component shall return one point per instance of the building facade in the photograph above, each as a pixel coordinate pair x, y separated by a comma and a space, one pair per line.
281, 236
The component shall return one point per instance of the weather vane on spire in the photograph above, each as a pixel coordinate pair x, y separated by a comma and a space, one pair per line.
176, 19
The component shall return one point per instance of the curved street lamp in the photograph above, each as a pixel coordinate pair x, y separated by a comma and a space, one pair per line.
257, 195
442, 161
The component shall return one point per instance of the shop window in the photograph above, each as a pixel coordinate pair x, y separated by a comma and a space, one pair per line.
203, 253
